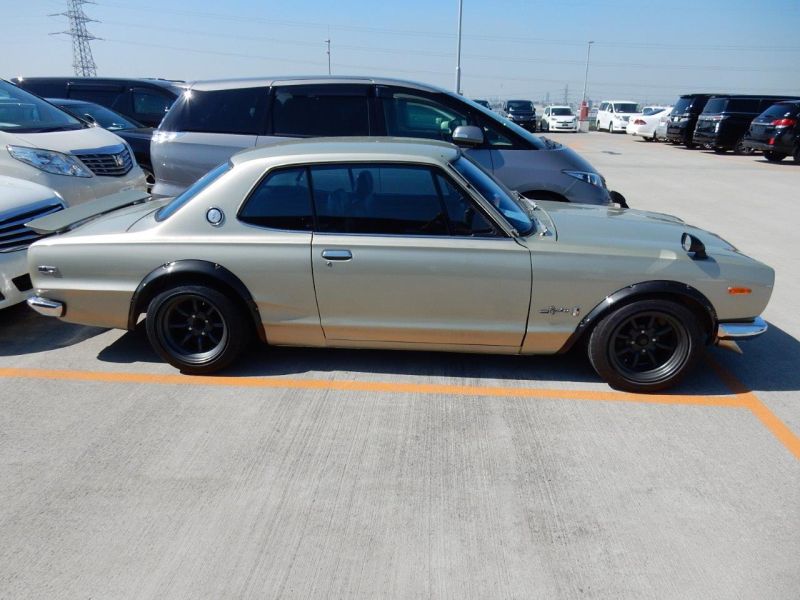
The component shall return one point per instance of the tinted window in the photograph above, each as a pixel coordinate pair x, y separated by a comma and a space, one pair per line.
105, 96
626, 107
745, 105
562, 112
222, 111
465, 219
779, 111
23, 112
683, 105
146, 102
377, 199
332, 110
281, 201
198, 186
106, 118
524, 105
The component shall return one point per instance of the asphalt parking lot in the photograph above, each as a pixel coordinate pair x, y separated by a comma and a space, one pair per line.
347, 474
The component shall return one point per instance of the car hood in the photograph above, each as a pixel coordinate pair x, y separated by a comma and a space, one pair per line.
16, 193
77, 140
583, 224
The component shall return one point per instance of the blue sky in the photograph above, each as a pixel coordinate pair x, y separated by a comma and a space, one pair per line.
511, 48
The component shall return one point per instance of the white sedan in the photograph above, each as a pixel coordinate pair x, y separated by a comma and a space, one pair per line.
646, 125
558, 118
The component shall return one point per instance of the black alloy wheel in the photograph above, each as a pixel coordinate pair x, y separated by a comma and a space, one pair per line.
196, 329
646, 346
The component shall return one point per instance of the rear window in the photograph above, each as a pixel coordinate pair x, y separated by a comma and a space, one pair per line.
683, 105
166, 211
561, 112
239, 111
626, 107
779, 111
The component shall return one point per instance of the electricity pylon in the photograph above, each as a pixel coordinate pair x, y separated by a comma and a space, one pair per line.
82, 60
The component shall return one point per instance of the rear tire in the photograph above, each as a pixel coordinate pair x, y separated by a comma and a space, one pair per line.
796, 156
772, 156
646, 346
610, 127
196, 329
740, 148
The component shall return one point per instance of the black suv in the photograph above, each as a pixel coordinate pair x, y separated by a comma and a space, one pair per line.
521, 112
683, 118
724, 121
144, 100
776, 132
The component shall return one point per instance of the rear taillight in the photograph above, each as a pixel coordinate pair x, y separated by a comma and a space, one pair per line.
639, 122
771, 141
784, 123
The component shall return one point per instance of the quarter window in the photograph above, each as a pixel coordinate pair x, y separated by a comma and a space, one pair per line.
281, 201
315, 111
238, 111
377, 199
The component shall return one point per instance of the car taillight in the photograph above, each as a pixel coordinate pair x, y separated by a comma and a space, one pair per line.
639, 122
784, 123
771, 141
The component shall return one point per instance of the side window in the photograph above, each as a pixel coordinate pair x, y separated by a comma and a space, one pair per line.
408, 115
604, 106
281, 201
494, 136
146, 102
238, 111
325, 110
465, 218
377, 199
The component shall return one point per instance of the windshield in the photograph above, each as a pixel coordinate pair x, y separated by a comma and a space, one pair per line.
107, 119
683, 105
652, 110
484, 103
22, 112
520, 105
561, 112
165, 212
626, 107
503, 199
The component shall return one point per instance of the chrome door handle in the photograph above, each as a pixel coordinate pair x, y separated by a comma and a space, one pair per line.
337, 254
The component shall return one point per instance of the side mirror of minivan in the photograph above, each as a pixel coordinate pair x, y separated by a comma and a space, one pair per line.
90, 119
468, 135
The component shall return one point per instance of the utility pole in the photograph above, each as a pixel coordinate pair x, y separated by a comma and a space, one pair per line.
458, 52
566, 94
328, 41
82, 60
586, 77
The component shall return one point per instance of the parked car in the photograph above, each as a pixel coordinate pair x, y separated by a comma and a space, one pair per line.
484, 103
520, 112
613, 115
404, 244
45, 145
558, 118
660, 133
645, 125
135, 134
214, 119
20, 202
776, 132
684, 118
725, 120
143, 100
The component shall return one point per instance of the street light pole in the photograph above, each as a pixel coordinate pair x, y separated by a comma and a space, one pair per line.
586, 77
458, 52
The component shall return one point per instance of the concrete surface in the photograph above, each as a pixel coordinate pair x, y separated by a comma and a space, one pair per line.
344, 474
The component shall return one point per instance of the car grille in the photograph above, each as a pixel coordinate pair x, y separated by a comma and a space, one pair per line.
108, 165
13, 233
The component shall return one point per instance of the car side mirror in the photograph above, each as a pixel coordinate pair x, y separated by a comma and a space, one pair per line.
90, 119
468, 135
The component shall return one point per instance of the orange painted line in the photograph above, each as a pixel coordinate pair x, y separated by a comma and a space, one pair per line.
762, 412
369, 386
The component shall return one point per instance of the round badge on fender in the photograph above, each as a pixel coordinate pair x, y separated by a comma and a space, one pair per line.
215, 216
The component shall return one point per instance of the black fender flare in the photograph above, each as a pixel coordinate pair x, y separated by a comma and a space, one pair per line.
643, 290
185, 270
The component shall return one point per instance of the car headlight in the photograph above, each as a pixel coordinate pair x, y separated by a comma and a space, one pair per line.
683, 119
50, 161
592, 178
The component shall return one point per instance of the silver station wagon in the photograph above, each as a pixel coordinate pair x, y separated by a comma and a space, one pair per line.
392, 243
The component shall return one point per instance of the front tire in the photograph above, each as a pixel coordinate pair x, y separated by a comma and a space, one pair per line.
774, 156
646, 346
196, 329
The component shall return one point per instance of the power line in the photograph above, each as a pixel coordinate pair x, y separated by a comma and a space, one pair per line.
82, 59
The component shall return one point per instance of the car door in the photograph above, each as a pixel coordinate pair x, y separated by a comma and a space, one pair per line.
402, 255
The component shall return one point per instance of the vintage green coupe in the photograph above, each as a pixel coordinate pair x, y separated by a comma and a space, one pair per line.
402, 244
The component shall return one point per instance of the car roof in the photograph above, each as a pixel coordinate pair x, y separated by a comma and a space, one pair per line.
174, 85
226, 84
621, 101
354, 149
557, 106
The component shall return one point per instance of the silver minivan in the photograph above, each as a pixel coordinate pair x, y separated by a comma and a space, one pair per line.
212, 120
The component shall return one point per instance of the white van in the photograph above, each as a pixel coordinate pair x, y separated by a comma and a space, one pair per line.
614, 115
43, 144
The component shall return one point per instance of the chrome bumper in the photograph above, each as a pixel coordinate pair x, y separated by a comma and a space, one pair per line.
737, 331
46, 307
